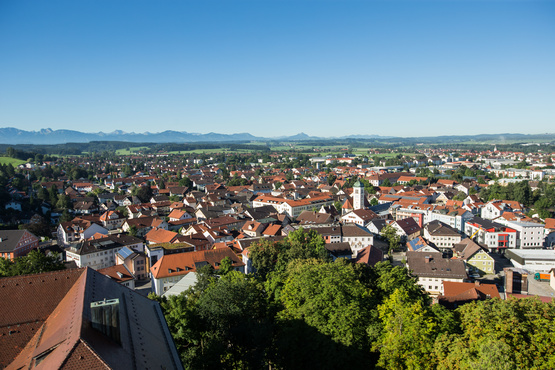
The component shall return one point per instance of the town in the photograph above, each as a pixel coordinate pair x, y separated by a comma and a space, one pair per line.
244, 248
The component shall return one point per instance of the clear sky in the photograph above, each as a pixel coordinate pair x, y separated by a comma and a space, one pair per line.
279, 67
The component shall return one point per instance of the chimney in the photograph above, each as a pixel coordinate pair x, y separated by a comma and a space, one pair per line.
105, 318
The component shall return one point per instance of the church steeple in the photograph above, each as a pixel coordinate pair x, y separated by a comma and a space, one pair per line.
358, 195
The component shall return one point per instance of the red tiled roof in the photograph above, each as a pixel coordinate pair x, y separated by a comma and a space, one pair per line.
112, 273
183, 263
455, 291
550, 223
369, 255
160, 236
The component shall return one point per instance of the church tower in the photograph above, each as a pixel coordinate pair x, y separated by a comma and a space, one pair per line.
358, 195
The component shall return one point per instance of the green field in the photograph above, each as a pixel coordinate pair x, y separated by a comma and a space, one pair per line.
131, 150
13, 161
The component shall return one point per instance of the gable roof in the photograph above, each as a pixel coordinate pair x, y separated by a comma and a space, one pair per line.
310, 217
408, 225
438, 228
10, 238
466, 249
457, 293
369, 255
433, 265
419, 243
161, 236
182, 263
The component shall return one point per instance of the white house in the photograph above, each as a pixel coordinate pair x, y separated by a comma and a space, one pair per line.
432, 270
530, 235
101, 253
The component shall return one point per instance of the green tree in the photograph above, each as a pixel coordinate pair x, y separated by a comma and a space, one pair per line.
63, 202
390, 234
408, 335
225, 266
66, 216
337, 204
522, 192
35, 262
496, 334
328, 297
324, 317
144, 193
236, 327
133, 230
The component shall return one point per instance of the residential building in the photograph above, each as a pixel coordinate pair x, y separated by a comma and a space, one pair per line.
369, 255
17, 243
357, 236
378, 180
407, 228
456, 294
157, 236
77, 230
492, 235
530, 235
154, 252
339, 250
293, 208
360, 217
101, 252
420, 244
134, 261
171, 268
112, 220
432, 270
253, 228
120, 274
496, 208
311, 217
443, 236
477, 259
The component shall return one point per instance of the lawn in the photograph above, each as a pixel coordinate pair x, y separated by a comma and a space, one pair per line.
13, 161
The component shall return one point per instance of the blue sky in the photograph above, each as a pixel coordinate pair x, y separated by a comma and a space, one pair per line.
279, 67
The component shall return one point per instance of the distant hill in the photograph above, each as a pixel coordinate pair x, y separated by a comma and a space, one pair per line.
11, 135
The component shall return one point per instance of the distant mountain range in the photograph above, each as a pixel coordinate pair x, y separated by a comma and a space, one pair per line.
11, 135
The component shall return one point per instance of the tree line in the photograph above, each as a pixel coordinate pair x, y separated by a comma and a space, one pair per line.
302, 310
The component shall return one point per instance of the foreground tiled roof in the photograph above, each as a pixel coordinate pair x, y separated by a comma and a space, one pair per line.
66, 338
17, 326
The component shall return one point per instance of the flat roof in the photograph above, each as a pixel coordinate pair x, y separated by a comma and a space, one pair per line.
533, 254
